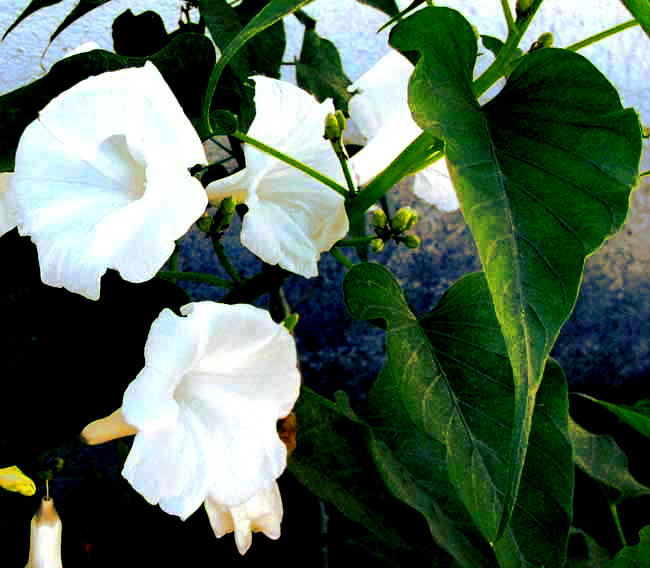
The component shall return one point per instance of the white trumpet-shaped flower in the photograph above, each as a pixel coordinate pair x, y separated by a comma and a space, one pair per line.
204, 410
45, 537
291, 217
382, 117
101, 180
261, 513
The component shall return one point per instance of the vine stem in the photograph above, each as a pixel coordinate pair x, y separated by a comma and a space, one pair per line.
617, 521
507, 12
341, 258
495, 71
195, 277
602, 35
355, 242
228, 266
292, 162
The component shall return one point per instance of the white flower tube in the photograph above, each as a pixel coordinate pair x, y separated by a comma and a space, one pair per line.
381, 114
101, 180
291, 217
204, 410
45, 537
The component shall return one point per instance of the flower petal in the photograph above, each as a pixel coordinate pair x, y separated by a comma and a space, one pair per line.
7, 213
262, 513
433, 185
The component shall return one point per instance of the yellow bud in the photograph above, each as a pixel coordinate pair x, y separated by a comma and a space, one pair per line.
402, 219
411, 241
376, 245
12, 479
204, 222
545, 40
379, 219
332, 129
340, 119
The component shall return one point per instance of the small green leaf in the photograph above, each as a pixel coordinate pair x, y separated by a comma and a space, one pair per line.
388, 7
320, 71
637, 556
640, 9
224, 122
450, 374
32, 7
494, 45
81, 9
600, 457
636, 416
139, 36
543, 173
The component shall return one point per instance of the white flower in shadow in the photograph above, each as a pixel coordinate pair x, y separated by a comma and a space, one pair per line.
101, 180
45, 537
383, 123
204, 411
291, 217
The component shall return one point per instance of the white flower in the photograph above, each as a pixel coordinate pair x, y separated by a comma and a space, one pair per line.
7, 219
205, 409
381, 114
291, 217
262, 513
45, 537
101, 179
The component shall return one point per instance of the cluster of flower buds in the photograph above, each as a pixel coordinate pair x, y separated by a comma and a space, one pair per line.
393, 229
218, 224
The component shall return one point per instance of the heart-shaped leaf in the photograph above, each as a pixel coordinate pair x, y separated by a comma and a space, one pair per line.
640, 9
543, 173
450, 374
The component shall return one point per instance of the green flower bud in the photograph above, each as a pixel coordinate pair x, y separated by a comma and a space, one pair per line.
376, 245
332, 128
402, 219
204, 223
522, 8
290, 322
340, 119
411, 241
412, 221
545, 40
379, 220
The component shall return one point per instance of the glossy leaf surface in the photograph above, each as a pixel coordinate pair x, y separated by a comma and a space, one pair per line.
450, 373
543, 173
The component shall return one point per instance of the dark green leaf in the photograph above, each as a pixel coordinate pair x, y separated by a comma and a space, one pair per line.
334, 459
320, 72
224, 122
636, 416
412, 6
32, 7
388, 7
274, 11
266, 49
637, 556
185, 64
81, 9
139, 36
640, 9
224, 25
600, 457
543, 173
451, 374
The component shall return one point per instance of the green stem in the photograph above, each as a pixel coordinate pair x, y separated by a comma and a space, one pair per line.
292, 162
602, 35
512, 26
646, 173
355, 242
398, 169
195, 277
228, 266
343, 160
617, 521
341, 258
495, 71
